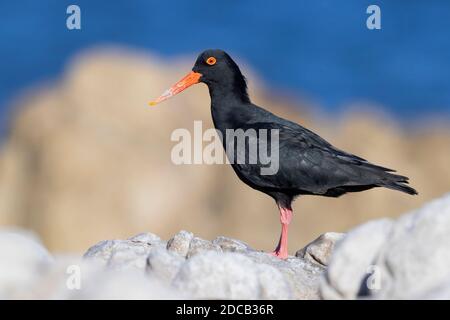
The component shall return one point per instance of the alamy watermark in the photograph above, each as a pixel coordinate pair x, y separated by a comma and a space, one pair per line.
373, 281
373, 22
250, 147
73, 281
73, 21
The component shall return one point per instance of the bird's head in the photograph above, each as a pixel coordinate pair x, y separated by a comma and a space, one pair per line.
216, 69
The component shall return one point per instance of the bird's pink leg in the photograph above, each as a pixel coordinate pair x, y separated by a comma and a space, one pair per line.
281, 250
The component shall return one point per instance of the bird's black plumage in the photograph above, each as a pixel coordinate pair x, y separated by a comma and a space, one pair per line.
307, 163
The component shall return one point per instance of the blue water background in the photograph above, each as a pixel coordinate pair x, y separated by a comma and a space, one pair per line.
319, 50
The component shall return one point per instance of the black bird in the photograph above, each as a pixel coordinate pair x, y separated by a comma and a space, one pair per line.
308, 165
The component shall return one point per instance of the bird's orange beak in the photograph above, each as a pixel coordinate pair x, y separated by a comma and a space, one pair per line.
190, 79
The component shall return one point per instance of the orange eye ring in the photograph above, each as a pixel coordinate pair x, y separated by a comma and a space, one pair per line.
211, 61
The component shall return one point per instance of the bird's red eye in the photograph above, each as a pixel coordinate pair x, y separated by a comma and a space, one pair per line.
211, 61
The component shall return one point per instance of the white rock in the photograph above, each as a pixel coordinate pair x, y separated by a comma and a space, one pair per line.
320, 250
180, 243
73, 278
405, 259
23, 260
353, 255
121, 254
164, 264
416, 259
231, 245
124, 284
442, 292
142, 267
216, 275
199, 245
382, 259
146, 237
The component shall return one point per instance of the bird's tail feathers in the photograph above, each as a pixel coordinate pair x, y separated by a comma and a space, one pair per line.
399, 183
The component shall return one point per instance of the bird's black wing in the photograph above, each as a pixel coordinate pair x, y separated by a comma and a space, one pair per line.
309, 164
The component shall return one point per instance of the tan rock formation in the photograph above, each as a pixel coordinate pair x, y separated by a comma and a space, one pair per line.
86, 159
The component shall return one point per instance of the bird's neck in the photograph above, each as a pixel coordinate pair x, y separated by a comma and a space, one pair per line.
229, 109
229, 99
230, 90
226, 94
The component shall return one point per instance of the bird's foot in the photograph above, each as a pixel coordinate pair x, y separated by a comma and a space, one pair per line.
279, 254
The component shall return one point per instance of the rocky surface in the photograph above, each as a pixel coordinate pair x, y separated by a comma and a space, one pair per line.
22, 260
319, 251
224, 268
404, 259
147, 267
381, 259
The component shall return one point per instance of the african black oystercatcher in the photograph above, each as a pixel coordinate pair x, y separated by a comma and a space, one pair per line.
308, 165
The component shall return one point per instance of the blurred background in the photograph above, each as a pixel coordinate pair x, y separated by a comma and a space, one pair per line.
83, 159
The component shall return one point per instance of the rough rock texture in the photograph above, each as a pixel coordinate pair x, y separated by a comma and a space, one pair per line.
231, 245
146, 267
403, 259
231, 276
180, 243
220, 269
125, 253
199, 245
383, 259
319, 251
